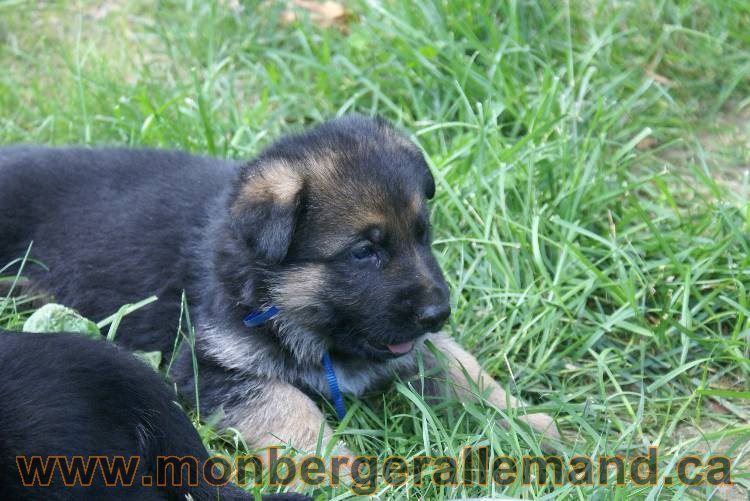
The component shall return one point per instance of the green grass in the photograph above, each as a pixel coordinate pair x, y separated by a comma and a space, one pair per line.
583, 220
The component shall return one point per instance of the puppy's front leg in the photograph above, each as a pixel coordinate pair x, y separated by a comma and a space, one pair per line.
281, 414
461, 363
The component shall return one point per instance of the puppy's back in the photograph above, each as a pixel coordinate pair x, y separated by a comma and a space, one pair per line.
111, 227
54, 187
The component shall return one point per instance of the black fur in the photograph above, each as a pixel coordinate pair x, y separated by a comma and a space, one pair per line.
112, 227
66, 395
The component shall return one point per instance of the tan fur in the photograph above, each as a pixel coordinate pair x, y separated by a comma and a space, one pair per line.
366, 217
365, 209
299, 287
332, 246
463, 363
282, 415
416, 202
277, 182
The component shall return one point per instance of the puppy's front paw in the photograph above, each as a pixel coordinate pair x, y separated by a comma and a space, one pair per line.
544, 424
341, 462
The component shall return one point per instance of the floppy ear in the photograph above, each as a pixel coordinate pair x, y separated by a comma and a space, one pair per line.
429, 183
264, 210
401, 141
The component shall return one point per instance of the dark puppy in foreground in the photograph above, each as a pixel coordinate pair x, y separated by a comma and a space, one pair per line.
66, 395
329, 226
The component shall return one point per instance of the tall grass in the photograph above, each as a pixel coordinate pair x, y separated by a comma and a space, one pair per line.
598, 262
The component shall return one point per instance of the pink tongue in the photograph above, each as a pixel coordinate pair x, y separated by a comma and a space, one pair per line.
401, 348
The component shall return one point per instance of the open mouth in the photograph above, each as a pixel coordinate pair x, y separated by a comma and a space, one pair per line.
400, 348
394, 350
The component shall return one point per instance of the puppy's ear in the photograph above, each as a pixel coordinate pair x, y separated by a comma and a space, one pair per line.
429, 183
265, 208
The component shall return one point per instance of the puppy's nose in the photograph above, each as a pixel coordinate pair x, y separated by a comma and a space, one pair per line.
432, 317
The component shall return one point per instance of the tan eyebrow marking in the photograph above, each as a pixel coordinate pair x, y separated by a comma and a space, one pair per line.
416, 203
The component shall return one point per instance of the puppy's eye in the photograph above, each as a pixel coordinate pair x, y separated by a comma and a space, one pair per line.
364, 251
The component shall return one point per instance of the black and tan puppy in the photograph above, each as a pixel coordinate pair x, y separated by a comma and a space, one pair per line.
63, 396
329, 226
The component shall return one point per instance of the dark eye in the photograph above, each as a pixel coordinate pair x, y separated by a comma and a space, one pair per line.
364, 251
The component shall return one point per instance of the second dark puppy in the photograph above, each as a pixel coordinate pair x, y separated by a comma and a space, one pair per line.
329, 228
63, 396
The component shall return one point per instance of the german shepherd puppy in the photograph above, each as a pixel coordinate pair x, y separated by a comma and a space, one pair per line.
64, 395
329, 226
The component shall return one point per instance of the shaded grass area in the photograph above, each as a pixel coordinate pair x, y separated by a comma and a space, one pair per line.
607, 276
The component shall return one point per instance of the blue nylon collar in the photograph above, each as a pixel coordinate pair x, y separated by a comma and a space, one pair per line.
259, 317
333, 385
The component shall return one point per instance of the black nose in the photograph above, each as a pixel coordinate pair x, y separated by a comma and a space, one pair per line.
434, 316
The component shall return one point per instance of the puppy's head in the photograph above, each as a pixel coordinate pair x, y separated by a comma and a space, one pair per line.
335, 222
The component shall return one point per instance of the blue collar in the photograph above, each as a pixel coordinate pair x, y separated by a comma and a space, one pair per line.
259, 317
256, 317
333, 385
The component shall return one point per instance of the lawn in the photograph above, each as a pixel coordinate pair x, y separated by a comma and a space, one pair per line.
592, 214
